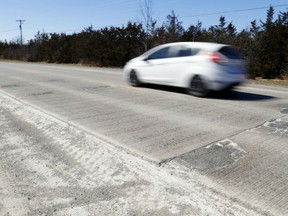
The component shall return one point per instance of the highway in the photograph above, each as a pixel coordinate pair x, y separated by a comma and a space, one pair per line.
236, 144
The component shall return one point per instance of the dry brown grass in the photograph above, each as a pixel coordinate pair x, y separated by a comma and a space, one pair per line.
278, 82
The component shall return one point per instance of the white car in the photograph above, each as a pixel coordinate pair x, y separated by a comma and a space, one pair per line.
199, 67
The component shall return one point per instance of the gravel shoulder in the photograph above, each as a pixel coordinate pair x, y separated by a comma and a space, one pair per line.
50, 167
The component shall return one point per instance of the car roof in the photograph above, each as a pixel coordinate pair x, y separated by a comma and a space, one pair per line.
206, 46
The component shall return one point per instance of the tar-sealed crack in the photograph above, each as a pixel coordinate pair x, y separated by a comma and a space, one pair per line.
10, 86
42, 93
95, 88
54, 80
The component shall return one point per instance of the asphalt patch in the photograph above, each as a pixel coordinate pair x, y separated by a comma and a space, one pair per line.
214, 156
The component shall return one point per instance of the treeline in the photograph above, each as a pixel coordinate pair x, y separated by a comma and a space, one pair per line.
264, 45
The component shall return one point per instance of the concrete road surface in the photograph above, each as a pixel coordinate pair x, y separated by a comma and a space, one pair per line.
237, 143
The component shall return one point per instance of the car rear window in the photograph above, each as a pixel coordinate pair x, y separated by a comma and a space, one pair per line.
230, 53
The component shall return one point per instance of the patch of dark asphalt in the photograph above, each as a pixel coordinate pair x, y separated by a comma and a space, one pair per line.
214, 156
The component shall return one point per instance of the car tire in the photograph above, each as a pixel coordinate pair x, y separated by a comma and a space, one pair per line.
133, 79
197, 87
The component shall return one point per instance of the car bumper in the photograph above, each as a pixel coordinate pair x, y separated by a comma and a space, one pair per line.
222, 84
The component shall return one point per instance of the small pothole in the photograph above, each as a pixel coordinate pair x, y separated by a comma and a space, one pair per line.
284, 110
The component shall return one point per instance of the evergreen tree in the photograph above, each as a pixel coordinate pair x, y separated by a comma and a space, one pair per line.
173, 27
264, 46
193, 33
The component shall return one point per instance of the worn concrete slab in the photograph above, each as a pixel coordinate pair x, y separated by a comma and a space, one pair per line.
251, 166
158, 124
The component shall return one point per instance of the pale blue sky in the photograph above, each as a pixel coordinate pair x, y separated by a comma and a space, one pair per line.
71, 16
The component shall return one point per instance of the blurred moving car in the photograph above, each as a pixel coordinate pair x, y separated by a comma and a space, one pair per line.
197, 66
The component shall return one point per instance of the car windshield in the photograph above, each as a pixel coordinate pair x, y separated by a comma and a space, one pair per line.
230, 53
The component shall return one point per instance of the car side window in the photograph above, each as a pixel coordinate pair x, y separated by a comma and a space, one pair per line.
160, 54
186, 51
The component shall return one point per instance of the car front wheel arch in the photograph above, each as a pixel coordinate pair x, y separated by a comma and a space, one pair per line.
133, 78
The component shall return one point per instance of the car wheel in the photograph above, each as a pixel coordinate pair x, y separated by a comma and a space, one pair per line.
133, 79
197, 87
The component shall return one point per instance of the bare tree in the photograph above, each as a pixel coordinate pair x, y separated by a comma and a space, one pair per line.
146, 7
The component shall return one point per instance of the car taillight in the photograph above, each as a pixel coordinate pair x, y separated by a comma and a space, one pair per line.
215, 58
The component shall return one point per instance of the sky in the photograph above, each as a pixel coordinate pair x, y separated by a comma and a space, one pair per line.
72, 16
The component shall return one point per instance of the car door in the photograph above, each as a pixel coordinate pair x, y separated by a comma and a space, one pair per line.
184, 60
156, 65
